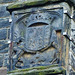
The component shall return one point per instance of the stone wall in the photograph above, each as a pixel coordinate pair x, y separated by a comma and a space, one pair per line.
4, 30
5, 34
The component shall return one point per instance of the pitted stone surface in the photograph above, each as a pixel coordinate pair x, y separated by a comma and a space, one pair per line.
4, 22
3, 34
3, 71
30, 3
3, 12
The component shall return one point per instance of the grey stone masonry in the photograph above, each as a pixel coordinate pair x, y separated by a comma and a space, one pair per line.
3, 34
3, 71
4, 31
3, 12
7, 1
4, 22
1, 60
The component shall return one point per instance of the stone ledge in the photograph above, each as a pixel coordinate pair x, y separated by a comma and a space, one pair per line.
42, 70
7, 1
30, 3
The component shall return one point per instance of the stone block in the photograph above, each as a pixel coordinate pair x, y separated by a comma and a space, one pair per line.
4, 51
1, 60
6, 57
7, 1
3, 71
3, 11
3, 34
1, 43
4, 22
72, 73
4, 46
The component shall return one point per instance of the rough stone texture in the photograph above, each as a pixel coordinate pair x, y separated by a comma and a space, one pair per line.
4, 31
72, 47
8, 33
73, 61
38, 58
3, 71
4, 22
29, 3
26, 3
4, 59
1, 60
7, 1
72, 73
4, 46
4, 51
3, 34
40, 25
3, 12
1, 43
42, 70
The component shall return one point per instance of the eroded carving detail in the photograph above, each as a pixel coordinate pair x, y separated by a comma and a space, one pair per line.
36, 43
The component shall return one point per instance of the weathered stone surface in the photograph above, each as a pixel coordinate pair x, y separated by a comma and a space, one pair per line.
3, 12
28, 3
61, 40
6, 1
3, 34
1, 60
4, 46
72, 73
6, 57
4, 51
34, 3
40, 39
73, 61
8, 33
1, 43
4, 22
42, 70
3, 71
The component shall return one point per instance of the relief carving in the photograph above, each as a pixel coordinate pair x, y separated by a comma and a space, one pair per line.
36, 44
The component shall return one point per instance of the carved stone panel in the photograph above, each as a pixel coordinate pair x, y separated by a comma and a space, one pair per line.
36, 36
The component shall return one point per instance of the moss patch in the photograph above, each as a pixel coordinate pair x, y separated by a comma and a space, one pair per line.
42, 70
28, 3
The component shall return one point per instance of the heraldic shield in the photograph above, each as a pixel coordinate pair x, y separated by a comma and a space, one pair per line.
38, 32
37, 36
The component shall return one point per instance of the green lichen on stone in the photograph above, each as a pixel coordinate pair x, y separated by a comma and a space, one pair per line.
28, 3
38, 68
42, 70
25, 4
